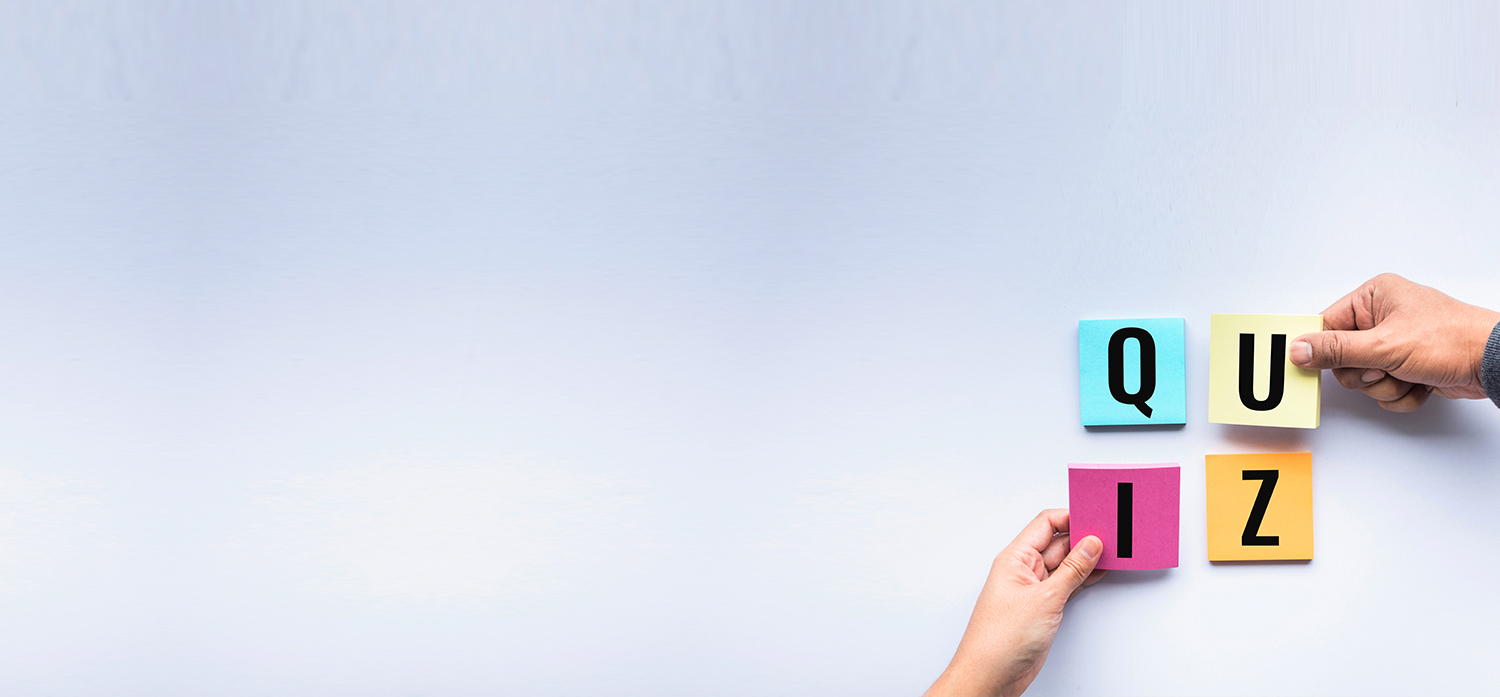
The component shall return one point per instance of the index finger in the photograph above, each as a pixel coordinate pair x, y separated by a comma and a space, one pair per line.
1038, 533
1356, 310
1341, 315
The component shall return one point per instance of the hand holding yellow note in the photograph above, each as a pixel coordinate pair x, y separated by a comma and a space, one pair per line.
1251, 381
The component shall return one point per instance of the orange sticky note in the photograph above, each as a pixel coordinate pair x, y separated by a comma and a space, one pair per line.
1259, 506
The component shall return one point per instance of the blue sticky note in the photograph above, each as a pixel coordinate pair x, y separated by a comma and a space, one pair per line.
1132, 371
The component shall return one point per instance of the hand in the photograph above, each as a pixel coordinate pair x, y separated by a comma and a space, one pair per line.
1019, 609
1399, 342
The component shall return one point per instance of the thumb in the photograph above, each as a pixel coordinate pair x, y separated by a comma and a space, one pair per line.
1341, 349
1074, 569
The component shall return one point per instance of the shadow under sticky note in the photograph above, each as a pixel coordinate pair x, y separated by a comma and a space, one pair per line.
1133, 509
1132, 371
1251, 379
1259, 506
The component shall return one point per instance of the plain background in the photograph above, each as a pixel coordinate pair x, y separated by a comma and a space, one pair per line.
706, 348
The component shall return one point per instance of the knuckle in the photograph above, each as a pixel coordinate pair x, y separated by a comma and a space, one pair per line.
1388, 282
1069, 581
1332, 348
1076, 566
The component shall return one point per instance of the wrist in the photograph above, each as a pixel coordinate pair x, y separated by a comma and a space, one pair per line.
964, 678
986, 671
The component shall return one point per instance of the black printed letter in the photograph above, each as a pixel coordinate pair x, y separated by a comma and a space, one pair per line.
1125, 505
1117, 368
1251, 536
1247, 372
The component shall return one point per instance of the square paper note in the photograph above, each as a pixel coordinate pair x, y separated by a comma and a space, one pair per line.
1132, 371
1133, 509
1251, 379
1259, 506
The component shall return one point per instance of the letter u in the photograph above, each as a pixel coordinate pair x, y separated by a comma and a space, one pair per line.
1247, 372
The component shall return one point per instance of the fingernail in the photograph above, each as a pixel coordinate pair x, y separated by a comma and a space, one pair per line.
1371, 375
1091, 546
1301, 352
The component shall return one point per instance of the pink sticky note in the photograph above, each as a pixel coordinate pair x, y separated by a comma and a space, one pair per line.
1132, 508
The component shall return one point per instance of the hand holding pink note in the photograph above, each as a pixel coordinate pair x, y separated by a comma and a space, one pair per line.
1133, 509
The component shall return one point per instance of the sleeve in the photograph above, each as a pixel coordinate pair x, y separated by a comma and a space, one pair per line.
1489, 370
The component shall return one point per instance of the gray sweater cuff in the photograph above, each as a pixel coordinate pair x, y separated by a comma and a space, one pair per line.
1489, 370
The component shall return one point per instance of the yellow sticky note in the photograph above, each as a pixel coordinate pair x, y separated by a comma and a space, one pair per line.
1251, 379
1259, 507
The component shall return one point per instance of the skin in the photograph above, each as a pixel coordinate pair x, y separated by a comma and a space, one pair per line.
1400, 342
1019, 610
